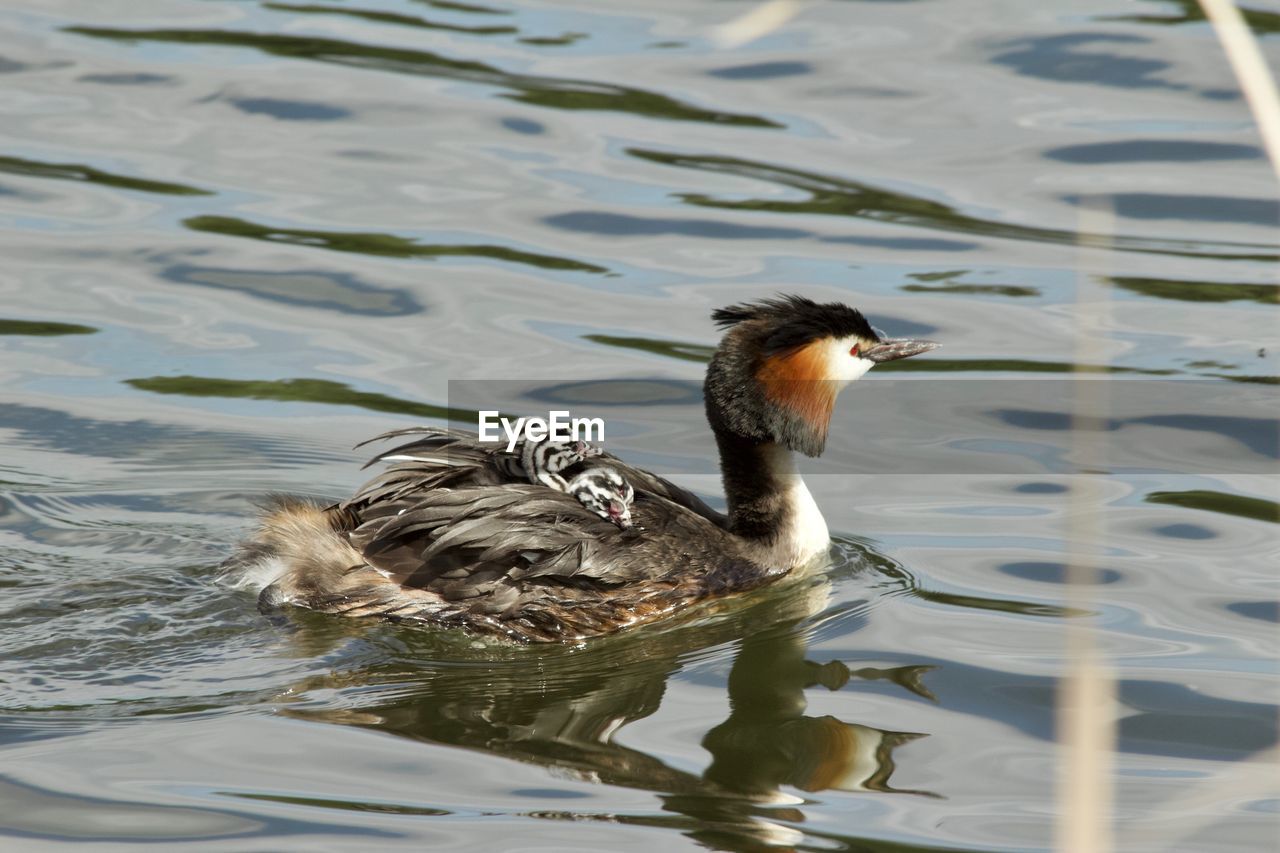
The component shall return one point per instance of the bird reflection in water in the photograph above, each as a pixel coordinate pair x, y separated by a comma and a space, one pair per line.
561, 708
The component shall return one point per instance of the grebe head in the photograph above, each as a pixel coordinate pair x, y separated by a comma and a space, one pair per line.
606, 493
781, 363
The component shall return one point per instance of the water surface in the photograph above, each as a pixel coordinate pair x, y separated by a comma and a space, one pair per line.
240, 237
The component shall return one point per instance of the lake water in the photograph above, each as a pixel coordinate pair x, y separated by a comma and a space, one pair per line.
240, 237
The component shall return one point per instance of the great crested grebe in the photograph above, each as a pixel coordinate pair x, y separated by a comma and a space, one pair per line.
446, 535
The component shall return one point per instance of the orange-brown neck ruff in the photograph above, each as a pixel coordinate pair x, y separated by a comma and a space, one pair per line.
799, 381
834, 755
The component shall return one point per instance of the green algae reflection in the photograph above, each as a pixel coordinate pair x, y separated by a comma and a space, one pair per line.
828, 195
1190, 12
669, 349
384, 245
1200, 291
296, 391
90, 175
944, 281
553, 92
973, 289
345, 805
43, 328
1223, 502
391, 18
469, 8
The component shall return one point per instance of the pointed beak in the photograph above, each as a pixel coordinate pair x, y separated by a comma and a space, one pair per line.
895, 348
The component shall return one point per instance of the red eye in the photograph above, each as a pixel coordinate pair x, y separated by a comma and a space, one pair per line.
854, 351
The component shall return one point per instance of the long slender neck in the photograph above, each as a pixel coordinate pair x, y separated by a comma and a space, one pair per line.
769, 505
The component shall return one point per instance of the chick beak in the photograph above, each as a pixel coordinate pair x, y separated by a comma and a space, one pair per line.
618, 514
895, 348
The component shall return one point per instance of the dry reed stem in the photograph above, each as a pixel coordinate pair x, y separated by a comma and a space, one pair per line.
1256, 80
1086, 708
759, 22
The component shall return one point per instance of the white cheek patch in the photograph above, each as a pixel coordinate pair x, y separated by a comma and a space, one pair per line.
856, 367
843, 367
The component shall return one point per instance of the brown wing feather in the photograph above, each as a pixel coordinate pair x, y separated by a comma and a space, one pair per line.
472, 461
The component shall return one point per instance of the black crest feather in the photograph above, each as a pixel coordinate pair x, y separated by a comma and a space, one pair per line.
795, 320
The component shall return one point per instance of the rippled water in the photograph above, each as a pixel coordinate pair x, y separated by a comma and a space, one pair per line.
240, 237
